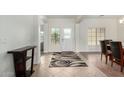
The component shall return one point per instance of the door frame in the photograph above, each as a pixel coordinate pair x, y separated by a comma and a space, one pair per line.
60, 49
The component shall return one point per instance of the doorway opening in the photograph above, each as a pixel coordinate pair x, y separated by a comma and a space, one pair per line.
41, 39
61, 39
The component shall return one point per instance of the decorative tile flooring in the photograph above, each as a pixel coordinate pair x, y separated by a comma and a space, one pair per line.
96, 68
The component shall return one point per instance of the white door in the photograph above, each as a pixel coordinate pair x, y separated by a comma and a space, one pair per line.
67, 39
54, 39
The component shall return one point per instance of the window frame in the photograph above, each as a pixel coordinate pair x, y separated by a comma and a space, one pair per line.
95, 42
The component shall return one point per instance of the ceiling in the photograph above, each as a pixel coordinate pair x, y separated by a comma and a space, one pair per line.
61, 16
83, 16
78, 18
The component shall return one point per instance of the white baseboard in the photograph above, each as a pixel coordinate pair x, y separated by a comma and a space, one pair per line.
7, 74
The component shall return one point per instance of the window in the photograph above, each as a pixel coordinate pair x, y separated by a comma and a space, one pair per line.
55, 35
95, 35
67, 33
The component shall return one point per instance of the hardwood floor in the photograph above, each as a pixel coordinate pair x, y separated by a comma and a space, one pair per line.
96, 68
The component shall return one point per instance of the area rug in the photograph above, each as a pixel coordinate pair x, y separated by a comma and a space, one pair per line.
66, 59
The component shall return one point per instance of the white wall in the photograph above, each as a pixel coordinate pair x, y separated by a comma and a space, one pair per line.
109, 23
114, 31
15, 32
81, 37
39, 20
36, 34
46, 39
77, 38
121, 32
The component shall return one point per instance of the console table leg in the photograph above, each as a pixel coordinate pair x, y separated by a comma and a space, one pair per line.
32, 60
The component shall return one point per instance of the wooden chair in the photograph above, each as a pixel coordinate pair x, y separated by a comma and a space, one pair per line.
117, 54
105, 49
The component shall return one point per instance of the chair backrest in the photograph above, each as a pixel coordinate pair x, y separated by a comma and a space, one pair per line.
107, 42
103, 47
117, 50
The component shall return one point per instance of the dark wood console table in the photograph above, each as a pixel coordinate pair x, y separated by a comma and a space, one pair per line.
20, 58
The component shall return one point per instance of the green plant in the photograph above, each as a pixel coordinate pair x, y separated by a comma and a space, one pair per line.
55, 37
